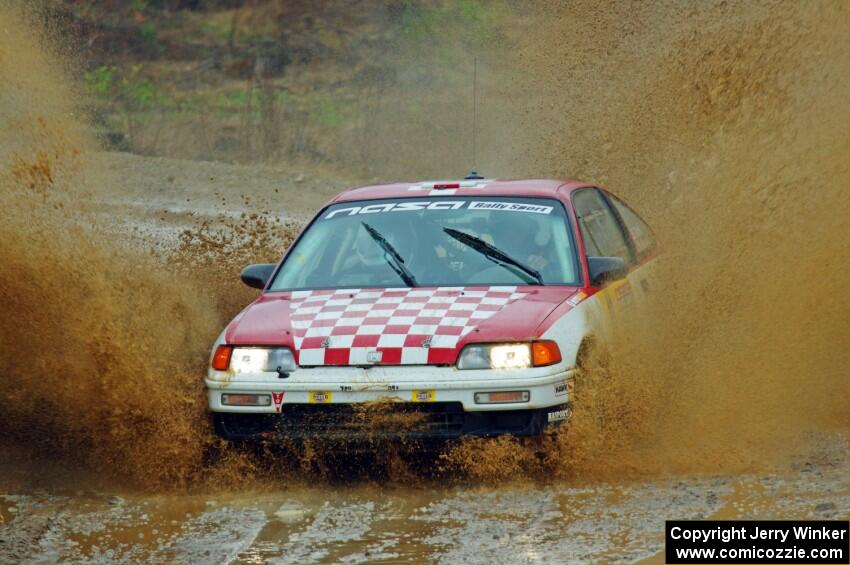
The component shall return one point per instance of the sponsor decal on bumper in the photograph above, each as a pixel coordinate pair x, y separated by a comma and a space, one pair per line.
564, 387
277, 397
423, 396
321, 397
558, 415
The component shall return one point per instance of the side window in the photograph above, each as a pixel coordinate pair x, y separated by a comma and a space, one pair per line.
642, 236
600, 229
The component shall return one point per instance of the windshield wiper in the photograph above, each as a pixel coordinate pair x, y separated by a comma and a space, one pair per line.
494, 253
395, 260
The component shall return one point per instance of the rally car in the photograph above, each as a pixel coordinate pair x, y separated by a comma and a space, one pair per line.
466, 304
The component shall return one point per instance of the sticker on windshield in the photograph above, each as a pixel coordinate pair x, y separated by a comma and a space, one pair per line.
511, 207
427, 205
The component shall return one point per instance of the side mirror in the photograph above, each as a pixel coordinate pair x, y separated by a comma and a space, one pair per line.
256, 276
606, 269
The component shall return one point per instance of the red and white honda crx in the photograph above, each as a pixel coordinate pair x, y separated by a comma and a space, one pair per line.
467, 302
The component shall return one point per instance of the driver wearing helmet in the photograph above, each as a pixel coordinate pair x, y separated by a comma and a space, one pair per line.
367, 262
366, 251
529, 241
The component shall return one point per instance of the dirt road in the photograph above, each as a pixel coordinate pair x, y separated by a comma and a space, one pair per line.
361, 523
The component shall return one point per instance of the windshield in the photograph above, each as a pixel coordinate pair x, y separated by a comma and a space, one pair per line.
450, 241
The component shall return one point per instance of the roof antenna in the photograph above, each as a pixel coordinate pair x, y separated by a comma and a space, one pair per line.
473, 174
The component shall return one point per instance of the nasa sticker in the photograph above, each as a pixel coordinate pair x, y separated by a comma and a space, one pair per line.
428, 206
277, 397
561, 388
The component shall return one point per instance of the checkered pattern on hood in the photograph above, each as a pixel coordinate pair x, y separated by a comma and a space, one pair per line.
408, 326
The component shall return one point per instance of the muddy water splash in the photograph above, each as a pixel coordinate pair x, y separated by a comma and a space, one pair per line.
98, 340
106, 342
727, 126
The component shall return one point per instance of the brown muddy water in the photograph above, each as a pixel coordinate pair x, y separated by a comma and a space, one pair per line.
725, 124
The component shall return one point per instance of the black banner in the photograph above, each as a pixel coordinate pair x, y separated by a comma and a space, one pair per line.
757, 541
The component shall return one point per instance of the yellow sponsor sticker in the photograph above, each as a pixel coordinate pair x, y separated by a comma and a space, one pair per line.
423, 396
320, 396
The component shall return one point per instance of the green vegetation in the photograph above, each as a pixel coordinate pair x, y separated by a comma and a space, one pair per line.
328, 115
126, 87
148, 30
475, 22
264, 80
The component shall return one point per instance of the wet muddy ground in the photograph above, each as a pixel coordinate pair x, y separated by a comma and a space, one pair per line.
154, 199
357, 522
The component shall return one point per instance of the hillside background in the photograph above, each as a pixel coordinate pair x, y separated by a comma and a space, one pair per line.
367, 87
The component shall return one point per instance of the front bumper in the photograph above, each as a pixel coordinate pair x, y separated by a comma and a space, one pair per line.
419, 403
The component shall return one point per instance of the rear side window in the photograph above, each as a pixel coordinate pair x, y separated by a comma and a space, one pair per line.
642, 236
600, 229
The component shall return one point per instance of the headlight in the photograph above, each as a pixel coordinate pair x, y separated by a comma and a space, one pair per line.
495, 356
259, 360
509, 355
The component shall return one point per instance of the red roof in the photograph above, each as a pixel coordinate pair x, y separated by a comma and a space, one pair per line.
483, 187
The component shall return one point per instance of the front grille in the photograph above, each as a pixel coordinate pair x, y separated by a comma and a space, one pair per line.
391, 419
433, 420
347, 421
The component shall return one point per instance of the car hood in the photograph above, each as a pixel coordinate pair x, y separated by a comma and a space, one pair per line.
393, 326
